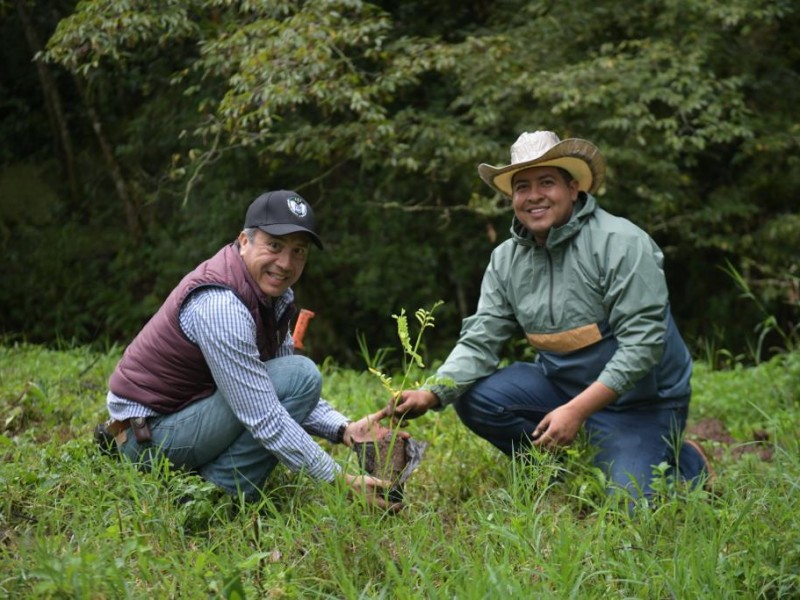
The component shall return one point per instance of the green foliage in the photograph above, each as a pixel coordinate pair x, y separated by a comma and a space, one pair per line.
750, 399
76, 524
769, 324
411, 347
114, 32
378, 113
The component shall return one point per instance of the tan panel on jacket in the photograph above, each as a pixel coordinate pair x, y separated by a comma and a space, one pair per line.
566, 341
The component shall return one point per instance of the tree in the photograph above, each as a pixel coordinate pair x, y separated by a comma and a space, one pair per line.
380, 112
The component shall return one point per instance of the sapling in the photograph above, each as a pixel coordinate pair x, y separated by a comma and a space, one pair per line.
410, 352
392, 458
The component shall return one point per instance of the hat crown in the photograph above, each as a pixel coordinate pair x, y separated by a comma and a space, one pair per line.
282, 212
530, 146
579, 157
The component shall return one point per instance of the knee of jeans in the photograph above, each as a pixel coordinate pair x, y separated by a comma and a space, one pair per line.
463, 411
476, 414
312, 376
308, 378
468, 416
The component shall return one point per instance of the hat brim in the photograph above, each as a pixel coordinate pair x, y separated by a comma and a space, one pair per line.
287, 228
581, 158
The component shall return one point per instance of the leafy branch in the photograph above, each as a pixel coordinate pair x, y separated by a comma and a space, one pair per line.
411, 348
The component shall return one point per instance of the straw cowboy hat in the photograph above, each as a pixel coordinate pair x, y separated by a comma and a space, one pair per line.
544, 149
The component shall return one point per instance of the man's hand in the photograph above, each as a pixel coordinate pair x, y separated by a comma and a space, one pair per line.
558, 428
369, 429
373, 489
410, 404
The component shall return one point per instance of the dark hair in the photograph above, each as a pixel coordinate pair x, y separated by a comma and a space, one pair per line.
565, 174
250, 232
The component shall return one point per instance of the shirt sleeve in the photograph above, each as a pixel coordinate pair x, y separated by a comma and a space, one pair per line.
482, 337
636, 301
217, 321
325, 421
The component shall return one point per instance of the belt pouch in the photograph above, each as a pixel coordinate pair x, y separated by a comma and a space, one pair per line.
141, 430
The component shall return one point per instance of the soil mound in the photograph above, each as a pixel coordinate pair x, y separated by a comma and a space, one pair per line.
723, 443
391, 458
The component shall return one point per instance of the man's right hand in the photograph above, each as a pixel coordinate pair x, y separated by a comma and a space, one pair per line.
373, 489
410, 404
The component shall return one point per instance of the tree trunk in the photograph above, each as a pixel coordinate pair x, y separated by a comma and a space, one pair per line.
53, 104
129, 204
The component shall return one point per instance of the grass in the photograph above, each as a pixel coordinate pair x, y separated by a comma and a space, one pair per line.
74, 524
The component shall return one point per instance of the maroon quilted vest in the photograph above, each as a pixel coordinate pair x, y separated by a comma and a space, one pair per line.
162, 368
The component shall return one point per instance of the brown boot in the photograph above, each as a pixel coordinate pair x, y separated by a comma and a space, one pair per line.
711, 475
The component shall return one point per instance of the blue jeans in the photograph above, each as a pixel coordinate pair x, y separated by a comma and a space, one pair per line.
505, 408
206, 437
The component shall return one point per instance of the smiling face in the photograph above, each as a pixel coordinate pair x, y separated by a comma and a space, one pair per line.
542, 199
274, 262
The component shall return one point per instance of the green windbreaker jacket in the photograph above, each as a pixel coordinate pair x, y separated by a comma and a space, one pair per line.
592, 301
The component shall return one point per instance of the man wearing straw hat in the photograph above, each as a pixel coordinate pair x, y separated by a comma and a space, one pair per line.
588, 290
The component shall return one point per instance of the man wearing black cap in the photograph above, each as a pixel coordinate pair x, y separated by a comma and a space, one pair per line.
212, 382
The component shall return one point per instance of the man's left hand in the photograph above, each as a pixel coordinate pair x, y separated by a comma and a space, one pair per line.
558, 428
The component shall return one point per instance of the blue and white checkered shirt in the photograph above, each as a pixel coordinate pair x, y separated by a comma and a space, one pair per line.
220, 324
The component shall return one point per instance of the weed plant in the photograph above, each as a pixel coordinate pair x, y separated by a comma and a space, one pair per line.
76, 524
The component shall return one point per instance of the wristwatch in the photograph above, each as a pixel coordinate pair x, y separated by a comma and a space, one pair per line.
340, 433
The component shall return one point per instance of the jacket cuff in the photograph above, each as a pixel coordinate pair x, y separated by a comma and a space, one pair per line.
446, 394
615, 383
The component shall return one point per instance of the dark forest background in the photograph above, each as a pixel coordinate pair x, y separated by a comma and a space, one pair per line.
134, 133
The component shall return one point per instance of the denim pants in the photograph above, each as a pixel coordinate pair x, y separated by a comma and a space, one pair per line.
505, 407
205, 437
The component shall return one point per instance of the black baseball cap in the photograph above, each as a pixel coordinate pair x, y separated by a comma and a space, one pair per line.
280, 213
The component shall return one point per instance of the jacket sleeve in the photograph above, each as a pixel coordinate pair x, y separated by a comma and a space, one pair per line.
636, 301
482, 337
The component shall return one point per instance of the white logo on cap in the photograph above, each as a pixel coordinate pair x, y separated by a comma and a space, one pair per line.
297, 206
